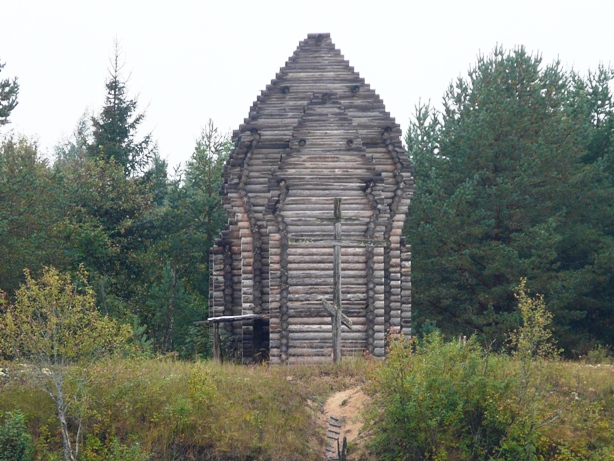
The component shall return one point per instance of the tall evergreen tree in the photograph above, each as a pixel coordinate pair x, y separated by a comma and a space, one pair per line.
587, 252
8, 97
115, 129
105, 227
502, 193
190, 218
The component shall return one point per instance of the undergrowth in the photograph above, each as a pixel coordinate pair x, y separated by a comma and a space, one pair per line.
432, 400
165, 409
438, 400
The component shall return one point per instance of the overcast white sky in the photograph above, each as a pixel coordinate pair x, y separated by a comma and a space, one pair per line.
194, 60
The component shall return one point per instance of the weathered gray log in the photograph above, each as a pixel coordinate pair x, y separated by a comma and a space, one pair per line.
217, 343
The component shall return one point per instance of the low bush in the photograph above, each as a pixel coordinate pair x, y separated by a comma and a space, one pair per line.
442, 400
15, 442
438, 400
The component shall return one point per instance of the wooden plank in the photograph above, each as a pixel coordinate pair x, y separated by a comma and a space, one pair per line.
232, 318
217, 356
326, 336
345, 243
316, 322
336, 312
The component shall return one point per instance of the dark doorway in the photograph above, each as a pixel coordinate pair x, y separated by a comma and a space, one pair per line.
261, 340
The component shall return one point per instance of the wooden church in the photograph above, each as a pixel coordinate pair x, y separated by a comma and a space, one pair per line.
316, 134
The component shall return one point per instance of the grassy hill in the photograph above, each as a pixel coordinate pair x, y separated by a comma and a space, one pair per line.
164, 409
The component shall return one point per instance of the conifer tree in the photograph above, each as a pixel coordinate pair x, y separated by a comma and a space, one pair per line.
8, 97
115, 129
192, 217
504, 192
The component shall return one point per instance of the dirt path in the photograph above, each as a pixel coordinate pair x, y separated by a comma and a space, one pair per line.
348, 406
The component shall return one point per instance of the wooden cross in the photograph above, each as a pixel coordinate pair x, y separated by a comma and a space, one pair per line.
335, 310
338, 318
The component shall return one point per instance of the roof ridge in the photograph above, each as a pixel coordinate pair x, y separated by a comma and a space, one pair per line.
315, 62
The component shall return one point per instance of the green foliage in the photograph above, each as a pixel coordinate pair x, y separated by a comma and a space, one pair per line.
105, 226
54, 323
187, 218
144, 240
8, 97
599, 355
454, 400
15, 442
114, 133
193, 213
533, 339
114, 450
29, 213
143, 343
74, 148
450, 401
437, 400
173, 310
513, 181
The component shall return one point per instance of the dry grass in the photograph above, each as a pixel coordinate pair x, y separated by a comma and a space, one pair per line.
203, 410
582, 400
179, 410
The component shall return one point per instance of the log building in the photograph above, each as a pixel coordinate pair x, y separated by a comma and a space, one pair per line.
317, 132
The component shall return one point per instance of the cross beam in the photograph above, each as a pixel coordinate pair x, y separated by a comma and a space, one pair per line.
335, 309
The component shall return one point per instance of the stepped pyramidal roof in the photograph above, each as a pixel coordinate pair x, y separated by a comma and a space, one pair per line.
316, 133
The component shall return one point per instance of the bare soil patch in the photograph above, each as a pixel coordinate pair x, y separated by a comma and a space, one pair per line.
348, 406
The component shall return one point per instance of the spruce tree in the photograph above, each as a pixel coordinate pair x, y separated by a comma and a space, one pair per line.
115, 129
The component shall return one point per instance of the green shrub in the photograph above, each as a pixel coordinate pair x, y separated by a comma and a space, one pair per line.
599, 354
15, 442
95, 450
439, 400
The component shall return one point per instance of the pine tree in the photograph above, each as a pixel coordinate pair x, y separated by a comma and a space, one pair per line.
8, 97
502, 192
106, 227
115, 129
191, 217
